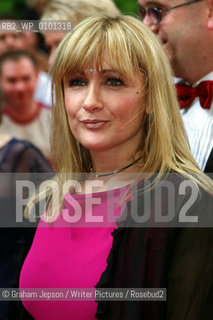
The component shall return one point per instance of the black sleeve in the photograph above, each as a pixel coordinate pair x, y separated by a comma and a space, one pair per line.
27, 158
190, 281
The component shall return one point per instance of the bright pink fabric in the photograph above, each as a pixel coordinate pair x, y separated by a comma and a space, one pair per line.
64, 256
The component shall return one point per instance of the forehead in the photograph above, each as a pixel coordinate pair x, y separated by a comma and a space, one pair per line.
100, 66
105, 69
94, 67
18, 67
102, 63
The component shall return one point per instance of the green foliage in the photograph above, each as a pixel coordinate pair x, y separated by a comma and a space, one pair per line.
16, 6
127, 6
6, 6
13, 7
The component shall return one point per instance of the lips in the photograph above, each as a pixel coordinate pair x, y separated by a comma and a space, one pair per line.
94, 124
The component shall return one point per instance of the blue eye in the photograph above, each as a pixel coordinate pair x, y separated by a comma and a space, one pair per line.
114, 82
77, 82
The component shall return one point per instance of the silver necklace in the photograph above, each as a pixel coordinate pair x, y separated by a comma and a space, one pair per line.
97, 175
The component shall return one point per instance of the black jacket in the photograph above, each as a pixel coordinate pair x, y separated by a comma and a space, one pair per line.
177, 258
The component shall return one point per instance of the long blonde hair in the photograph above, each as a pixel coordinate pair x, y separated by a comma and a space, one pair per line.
131, 48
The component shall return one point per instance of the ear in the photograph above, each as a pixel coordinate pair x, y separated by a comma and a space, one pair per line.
210, 15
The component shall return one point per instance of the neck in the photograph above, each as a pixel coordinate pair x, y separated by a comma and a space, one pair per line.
195, 78
113, 175
116, 171
193, 73
24, 112
105, 164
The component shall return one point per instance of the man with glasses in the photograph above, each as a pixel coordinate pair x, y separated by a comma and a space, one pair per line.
186, 31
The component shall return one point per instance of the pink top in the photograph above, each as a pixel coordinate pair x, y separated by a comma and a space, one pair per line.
71, 255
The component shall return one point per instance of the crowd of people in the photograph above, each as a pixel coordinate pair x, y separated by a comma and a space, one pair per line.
119, 115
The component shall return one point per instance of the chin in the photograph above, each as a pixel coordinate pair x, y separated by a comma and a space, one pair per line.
97, 147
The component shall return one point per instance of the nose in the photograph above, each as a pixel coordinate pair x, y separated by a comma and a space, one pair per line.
20, 86
93, 100
148, 21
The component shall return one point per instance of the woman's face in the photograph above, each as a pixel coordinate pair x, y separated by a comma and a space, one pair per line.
105, 109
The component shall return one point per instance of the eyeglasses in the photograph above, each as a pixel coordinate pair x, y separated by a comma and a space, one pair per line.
155, 14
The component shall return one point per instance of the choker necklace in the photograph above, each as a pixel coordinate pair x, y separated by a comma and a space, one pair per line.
97, 175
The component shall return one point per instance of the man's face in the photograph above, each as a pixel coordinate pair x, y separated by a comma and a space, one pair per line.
18, 81
180, 31
11, 41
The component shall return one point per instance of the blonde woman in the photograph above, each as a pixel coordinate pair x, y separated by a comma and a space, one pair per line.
118, 141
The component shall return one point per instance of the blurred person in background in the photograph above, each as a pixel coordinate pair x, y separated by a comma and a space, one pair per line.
29, 41
10, 41
43, 90
23, 117
19, 160
34, 9
185, 29
74, 11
